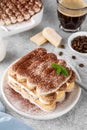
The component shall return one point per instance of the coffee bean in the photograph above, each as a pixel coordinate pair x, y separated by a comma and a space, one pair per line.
74, 45
81, 65
73, 57
85, 46
60, 53
62, 46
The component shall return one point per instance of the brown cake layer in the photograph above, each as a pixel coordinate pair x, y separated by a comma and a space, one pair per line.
16, 11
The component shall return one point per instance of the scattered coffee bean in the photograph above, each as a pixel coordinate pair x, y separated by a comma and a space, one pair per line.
60, 53
62, 46
81, 65
80, 44
73, 57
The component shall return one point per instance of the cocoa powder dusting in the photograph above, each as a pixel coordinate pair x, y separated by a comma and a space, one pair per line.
21, 104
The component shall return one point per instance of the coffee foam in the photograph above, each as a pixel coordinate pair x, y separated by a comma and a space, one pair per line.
72, 4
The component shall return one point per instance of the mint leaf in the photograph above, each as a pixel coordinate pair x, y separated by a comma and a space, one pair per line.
60, 69
57, 67
64, 71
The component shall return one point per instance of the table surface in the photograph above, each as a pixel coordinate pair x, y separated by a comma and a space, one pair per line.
19, 45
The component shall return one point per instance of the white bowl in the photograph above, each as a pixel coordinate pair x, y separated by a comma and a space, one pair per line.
21, 27
3, 46
74, 35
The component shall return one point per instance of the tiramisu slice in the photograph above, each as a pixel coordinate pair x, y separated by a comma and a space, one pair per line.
41, 78
16, 11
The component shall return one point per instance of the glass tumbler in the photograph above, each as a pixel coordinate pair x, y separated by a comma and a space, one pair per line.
71, 14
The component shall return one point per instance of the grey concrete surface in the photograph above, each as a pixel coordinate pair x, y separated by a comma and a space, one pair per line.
19, 44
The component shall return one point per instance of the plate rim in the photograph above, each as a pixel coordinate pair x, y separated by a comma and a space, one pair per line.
63, 112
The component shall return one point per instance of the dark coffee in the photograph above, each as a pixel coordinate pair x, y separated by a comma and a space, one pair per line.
70, 22
71, 13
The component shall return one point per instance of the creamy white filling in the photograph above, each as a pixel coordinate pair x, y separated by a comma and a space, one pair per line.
12, 80
30, 85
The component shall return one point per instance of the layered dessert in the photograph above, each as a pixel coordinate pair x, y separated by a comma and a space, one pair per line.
38, 77
16, 11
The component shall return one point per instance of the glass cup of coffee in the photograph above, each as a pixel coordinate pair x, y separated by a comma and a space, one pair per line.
71, 14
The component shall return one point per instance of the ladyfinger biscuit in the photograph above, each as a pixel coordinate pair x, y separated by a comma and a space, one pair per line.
70, 87
38, 39
60, 96
52, 36
45, 107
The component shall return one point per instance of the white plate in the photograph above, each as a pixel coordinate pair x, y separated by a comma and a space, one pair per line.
25, 108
